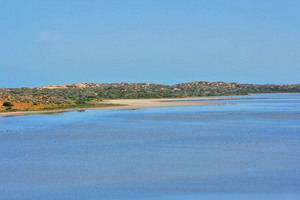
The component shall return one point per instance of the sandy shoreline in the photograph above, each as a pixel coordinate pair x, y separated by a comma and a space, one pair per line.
129, 104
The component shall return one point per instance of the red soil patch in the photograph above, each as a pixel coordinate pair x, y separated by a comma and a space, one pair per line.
26, 106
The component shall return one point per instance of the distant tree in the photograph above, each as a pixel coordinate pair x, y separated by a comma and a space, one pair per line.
8, 104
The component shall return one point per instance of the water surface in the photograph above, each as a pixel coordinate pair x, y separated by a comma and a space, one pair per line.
241, 149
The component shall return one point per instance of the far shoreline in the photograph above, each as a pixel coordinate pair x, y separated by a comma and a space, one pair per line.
134, 104
119, 104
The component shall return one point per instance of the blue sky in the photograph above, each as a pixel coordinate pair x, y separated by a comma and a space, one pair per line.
158, 41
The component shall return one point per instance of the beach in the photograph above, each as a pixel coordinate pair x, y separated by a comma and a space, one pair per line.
121, 104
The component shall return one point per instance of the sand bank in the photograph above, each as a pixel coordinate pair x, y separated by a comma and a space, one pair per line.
126, 104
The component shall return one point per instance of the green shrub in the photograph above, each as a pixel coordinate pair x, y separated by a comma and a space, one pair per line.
8, 104
80, 102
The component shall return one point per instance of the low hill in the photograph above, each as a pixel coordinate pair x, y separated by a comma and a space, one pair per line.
82, 93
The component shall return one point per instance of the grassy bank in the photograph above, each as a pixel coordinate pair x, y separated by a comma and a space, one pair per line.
58, 107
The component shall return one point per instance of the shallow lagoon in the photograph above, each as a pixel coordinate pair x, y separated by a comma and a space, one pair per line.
248, 148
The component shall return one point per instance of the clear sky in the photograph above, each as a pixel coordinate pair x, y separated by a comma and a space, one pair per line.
158, 41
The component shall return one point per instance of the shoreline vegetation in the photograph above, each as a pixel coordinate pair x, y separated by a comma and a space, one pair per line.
84, 96
116, 104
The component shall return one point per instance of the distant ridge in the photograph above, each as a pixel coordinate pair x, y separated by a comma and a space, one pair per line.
81, 93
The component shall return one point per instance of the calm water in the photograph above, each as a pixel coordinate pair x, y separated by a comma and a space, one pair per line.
241, 149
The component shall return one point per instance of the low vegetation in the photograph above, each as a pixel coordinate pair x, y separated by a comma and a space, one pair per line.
8, 104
